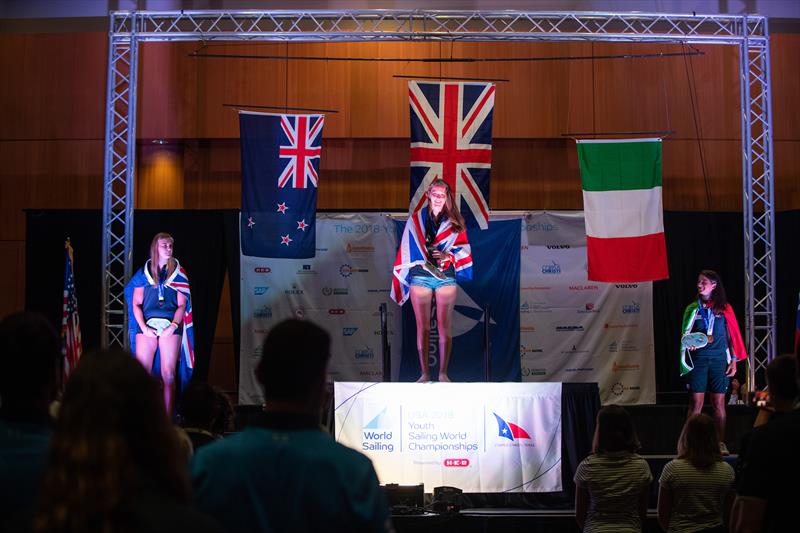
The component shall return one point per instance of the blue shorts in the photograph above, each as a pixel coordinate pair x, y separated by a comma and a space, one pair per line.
708, 375
422, 278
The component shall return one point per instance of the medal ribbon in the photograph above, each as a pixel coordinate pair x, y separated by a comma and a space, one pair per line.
707, 314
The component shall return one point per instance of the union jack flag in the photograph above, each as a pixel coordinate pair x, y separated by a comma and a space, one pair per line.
71, 346
303, 132
280, 178
451, 139
454, 246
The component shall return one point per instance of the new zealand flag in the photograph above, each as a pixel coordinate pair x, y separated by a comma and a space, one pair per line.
280, 169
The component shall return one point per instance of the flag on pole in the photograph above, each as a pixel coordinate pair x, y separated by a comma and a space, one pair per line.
451, 139
71, 346
622, 209
280, 174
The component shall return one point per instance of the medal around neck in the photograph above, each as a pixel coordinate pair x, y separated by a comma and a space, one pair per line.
694, 340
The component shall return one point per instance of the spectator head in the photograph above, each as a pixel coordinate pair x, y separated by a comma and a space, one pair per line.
782, 378
698, 442
293, 364
112, 436
614, 431
205, 407
30, 351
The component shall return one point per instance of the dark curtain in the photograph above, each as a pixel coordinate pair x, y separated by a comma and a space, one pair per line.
200, 246
206, 243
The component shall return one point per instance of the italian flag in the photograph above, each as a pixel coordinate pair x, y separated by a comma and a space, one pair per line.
622, 209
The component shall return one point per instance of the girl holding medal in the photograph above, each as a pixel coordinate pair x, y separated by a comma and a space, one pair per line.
159, 309
710, 347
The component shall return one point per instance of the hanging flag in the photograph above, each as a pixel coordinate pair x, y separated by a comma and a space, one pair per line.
622, 209
71, 346
280, 169
451, 139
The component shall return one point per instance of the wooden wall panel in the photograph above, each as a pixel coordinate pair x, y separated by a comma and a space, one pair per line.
167, 97
787, 175
785, 67
53, 85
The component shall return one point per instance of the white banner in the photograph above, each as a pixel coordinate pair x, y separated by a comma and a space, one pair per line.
341, 289
479, 437
576, 330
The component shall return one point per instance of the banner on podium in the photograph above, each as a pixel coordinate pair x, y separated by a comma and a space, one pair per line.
479, 437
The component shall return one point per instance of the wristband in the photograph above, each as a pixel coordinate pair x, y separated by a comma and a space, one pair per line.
174, 325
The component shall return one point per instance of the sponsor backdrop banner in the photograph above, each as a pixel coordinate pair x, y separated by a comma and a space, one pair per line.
576, 330
569, 329
340, 289
479, 437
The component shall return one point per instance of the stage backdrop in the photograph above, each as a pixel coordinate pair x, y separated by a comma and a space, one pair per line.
341, 289
479, 437
574, 330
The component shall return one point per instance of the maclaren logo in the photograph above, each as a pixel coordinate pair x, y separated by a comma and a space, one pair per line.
509, 430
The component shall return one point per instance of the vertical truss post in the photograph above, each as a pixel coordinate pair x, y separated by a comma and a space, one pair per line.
118, 179
758, 203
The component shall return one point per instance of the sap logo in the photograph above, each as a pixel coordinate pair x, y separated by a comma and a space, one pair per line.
509, 430
336, 311
633, 307
558, 246
264, 312
456, 463
365, 353
554, 268
348, 332
626, 285
541, 226
260, 291
263, 270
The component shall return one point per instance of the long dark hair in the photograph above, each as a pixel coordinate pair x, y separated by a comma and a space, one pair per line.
112, 436
450, 209
698, 442
718, 295
614, 431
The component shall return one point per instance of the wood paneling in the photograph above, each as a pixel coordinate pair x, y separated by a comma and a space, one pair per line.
785, 67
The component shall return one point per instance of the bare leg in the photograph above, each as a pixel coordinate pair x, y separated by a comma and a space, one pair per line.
421, 302
718, 413
169, 349
696, 402
146, 350
445, 301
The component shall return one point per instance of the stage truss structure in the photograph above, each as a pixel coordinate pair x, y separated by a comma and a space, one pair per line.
750, 33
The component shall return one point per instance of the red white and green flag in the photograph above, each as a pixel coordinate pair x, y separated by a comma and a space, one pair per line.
622, 209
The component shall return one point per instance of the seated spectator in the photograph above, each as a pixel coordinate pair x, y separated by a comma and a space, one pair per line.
207, 413
115, 463
289, 475
694, 488
612, 483
767, 485
30, 351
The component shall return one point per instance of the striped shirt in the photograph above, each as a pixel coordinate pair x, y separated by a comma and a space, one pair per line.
614, 482
697, 495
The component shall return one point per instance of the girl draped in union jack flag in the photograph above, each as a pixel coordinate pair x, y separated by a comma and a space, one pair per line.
433, 254
158, 308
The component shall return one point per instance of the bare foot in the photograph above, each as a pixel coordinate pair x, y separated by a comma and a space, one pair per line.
443, 378
424, 378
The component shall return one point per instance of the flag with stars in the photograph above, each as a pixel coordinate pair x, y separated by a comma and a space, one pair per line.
280, 174
71, 345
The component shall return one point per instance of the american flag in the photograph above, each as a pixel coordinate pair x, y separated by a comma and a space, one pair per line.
451, 139
71, 346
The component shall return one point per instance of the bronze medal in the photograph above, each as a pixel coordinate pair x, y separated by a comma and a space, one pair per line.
710, 339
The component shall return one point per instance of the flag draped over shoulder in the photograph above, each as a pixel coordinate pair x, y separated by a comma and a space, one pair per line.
734, 334
179, 281
623, 210
280, 174
454, 246
451, 139
71, 345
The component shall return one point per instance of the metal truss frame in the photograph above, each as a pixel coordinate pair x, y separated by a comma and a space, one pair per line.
750, 33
